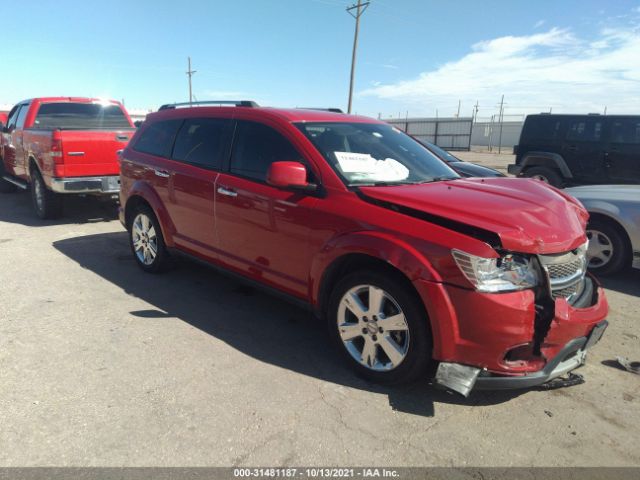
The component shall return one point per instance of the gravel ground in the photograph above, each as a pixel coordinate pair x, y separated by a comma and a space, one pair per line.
103, 365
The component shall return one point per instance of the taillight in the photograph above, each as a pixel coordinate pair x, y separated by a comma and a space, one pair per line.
56, 154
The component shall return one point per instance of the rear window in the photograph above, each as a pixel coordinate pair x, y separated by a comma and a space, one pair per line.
626, 131
80, 116
157, 138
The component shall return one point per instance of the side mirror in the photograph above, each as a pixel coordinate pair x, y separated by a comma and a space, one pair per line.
289, 175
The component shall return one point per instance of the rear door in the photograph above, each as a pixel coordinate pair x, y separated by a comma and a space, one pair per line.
583, 148
623, 155
92, 134
201, 146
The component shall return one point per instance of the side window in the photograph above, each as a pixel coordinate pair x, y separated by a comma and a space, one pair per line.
203, 142
157, 138
625, 131
21, 116
258, 146
542, 129
13, 115
584, 130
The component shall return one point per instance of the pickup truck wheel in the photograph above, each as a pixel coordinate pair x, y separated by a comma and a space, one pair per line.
380, 327
546, 175
608, 251
147, 243
46, 203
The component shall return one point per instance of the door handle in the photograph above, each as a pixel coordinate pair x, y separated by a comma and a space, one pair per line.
161, 173
227, 192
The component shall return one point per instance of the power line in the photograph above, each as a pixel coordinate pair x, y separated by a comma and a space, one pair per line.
360, 8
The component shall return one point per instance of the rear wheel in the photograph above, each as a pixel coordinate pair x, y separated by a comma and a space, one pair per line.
147, 242
380, 327
608, 251
546, 175
46, 203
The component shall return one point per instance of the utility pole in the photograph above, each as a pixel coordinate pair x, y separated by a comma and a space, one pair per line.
360, 7
501, 119
475, 112
190, 74
458, 114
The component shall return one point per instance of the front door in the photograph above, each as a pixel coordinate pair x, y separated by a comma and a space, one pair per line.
623, 154
9, 141
263, 230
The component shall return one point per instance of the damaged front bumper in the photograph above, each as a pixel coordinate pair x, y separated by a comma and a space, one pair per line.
485, 340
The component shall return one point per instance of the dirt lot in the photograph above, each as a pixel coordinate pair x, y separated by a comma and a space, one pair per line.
103, 365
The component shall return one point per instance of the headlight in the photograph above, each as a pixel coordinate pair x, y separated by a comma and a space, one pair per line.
509, 272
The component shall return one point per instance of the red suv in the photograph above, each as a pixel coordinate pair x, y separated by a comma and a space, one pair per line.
408, 263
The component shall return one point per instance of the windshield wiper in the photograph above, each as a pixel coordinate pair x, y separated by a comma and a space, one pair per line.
438, 179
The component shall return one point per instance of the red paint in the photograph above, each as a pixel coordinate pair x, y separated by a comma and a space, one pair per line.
28, 144
288, 238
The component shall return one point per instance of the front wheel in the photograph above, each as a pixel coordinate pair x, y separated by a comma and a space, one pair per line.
546, 175
147, 243
380, 327
608, 252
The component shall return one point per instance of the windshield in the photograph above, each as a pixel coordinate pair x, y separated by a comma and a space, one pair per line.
375, 154
443, 154
69, 115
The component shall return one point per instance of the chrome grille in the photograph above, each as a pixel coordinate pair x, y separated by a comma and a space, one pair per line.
565, 272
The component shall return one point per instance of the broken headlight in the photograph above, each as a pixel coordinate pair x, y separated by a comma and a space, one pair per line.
509, 272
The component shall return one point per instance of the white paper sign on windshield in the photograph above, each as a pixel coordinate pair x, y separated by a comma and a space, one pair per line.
364, 166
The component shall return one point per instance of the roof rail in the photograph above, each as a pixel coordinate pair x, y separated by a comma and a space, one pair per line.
334, 110
234, 103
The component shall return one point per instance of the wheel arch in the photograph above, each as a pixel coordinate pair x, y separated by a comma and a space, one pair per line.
546, 159
142, 194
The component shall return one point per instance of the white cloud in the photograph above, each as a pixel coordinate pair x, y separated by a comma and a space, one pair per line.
548, 69
539, 23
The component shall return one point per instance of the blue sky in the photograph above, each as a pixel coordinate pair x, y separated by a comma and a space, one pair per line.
414, 55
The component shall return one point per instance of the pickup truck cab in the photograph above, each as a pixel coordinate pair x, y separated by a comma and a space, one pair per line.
408, 263
63, 145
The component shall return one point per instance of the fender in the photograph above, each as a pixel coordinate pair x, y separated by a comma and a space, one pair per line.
546, 159
145, 191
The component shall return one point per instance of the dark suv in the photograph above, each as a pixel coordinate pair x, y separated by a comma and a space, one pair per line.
579, 149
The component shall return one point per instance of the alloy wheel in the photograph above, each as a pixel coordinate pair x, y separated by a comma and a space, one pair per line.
373, 328
600, 249
144, 239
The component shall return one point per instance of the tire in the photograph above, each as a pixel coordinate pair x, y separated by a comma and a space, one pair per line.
146, 241
364, 338
546, 175
608, 250
47, 204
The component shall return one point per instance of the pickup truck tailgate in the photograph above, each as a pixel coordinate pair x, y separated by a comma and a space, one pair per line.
88, 153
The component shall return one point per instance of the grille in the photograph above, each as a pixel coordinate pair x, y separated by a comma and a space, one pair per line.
564, 270
565, 273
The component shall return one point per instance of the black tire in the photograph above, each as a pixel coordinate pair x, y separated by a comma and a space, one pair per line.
603, 233
546, 175
161, 261
47, 204
417, 356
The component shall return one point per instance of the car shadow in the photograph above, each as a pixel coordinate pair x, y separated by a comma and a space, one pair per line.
258, 324
17, 208
627, 281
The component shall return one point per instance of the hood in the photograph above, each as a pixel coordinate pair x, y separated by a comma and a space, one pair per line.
527, 215
606, 192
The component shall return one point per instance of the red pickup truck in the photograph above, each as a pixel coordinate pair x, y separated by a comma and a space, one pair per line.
63, 145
